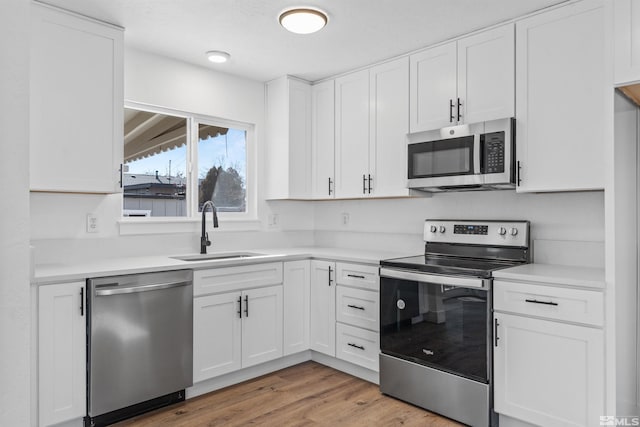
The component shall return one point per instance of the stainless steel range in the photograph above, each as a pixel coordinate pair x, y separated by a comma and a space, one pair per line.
436, 317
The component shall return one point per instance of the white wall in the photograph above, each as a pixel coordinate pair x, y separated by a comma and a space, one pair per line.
58, 221
559, 221
14, 223
626, 259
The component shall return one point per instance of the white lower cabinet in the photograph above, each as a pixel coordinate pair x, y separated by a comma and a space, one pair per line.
61, 353
322, 321
296, 287
357, 345
358, 314
216, 335
548, 368
236, 330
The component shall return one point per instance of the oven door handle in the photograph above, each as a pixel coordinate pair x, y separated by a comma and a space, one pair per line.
463, 282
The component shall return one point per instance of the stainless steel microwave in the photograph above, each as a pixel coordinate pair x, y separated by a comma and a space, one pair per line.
479, 156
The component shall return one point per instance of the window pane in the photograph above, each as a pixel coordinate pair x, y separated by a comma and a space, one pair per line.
222, 168
155, 152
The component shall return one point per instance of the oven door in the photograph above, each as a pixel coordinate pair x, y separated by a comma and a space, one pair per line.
438, 321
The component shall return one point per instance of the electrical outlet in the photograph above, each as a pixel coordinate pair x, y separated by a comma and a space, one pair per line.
92, 223
274, 220
345, 218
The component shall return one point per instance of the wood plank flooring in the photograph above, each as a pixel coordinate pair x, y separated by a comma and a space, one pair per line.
308, 394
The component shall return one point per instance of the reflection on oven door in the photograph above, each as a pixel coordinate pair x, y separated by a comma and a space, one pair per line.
440, 326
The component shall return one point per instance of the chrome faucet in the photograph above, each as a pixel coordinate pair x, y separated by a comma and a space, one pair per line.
204, 238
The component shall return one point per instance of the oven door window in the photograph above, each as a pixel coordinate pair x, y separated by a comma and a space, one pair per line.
435, 325
441, 158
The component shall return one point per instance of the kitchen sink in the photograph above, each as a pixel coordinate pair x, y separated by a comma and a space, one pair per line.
217, 256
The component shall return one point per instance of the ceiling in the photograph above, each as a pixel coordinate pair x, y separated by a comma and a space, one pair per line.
359, 32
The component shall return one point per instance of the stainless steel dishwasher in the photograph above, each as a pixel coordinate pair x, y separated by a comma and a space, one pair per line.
139, 344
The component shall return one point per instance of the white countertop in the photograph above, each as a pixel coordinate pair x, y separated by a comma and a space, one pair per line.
68, 272
561, 275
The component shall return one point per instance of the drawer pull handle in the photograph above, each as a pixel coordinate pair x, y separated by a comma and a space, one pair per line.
359, 347
355, 306
357, 276
535, 301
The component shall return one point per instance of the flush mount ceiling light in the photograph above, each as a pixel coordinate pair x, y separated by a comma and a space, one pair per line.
303, 20
218, 56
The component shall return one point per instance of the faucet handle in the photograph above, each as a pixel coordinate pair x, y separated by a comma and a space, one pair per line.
206, 239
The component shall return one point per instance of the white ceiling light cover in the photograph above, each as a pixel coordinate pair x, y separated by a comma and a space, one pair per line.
303, 20
218, 56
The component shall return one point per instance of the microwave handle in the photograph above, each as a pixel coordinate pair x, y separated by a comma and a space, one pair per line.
476, 154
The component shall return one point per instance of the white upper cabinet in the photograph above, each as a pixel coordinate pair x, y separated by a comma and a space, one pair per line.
76, 103
433, 88
560, 98
486, 75
288, 132
465, 81
372, 110
322, 140
389, 91
626, 29
352, 135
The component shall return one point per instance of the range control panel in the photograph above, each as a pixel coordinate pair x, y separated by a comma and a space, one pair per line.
470, 229
498, 233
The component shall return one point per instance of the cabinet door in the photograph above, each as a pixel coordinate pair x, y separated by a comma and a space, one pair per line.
76, 105
323, 307
433, 88
626, 29
61, 353
322, 140
352, 134
560, 98
389, 126
261, 325
548, 373
216, 335
296, 287
299, 139
486, 75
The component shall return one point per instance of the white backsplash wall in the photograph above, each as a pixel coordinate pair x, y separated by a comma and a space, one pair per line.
569, 227
59, 231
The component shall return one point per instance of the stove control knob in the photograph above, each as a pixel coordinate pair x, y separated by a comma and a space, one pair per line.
442, 229
502, 231
433, 228
513, 231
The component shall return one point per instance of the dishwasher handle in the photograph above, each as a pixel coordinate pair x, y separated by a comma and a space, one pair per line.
115, 289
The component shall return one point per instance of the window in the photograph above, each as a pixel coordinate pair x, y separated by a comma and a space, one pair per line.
175, 162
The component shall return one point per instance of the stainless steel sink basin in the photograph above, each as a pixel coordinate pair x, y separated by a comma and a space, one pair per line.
217, 256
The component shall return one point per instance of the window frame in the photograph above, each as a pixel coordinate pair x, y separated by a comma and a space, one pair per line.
176, 224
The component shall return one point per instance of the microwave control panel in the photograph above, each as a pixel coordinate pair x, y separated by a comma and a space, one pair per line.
492, 146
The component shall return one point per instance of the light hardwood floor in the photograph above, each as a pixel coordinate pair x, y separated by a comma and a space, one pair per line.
308, 394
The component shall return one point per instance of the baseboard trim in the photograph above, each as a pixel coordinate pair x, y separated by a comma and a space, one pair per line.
252, 372
245, 374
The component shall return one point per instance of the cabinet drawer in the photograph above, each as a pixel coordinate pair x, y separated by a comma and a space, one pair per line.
357, 346
572, 305
357, 307
227, 279
360, 276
